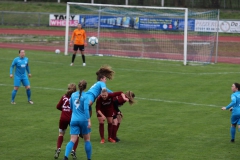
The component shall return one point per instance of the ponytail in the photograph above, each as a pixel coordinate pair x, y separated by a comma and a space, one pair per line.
82, 85
130, 95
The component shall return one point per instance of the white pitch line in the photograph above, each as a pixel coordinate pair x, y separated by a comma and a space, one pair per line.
152, 71
45, 88
147, 99
210, 73
194, 104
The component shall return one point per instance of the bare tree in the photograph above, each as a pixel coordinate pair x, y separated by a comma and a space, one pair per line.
179, 3
215, 3
176, 3
140, 2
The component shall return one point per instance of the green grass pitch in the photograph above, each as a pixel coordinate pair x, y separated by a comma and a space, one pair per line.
177, 116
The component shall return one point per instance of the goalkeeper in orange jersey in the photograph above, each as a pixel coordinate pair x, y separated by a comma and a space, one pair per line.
79, 41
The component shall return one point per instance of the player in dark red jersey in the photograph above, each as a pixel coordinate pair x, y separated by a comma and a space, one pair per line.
118, 101
105, 110
65, 118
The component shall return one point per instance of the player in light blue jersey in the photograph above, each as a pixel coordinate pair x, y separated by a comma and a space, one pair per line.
104, 73
235, 107
80, 120
21, 66
96, 88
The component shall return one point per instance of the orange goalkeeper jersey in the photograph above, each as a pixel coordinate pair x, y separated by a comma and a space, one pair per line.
78, 36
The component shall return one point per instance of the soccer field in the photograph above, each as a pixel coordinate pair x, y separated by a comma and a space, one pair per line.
177, 116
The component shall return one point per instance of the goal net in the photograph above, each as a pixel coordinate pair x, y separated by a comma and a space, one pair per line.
143, 32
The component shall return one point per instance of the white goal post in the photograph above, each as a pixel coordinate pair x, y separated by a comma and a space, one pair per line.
143, 31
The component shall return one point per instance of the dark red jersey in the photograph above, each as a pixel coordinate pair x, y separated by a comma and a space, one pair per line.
120, 100
108, 103
63, 105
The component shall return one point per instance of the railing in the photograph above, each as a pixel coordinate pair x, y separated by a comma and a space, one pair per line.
221, 4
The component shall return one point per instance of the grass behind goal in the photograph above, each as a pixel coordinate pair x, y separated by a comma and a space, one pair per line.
177, 115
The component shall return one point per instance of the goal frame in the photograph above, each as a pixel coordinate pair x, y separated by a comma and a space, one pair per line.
127, 6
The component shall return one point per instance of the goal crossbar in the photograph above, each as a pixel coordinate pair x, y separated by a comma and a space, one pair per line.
128, 6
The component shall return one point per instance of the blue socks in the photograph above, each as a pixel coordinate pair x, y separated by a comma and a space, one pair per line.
233, 131
28, 91
14, 92
69, 148
88, 149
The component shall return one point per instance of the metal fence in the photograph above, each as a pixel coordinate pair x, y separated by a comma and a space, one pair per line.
221, 4
24, 18
39, 20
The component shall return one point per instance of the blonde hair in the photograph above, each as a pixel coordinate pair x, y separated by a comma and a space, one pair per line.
106, 71
130, 95
71, 88
104, 90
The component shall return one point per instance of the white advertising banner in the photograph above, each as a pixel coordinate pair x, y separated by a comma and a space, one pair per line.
229, 26
60, 20
211, 26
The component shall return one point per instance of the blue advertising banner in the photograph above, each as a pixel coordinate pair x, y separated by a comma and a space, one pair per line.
162, 23
135, 22
105, 21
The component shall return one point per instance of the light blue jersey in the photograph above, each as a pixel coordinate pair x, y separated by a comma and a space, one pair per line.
79, 122
235, 103
96, 89
80, 110
21, 67
20, 75
80, 114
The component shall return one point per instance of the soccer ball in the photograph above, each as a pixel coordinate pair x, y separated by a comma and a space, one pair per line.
57, 51
93, 40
